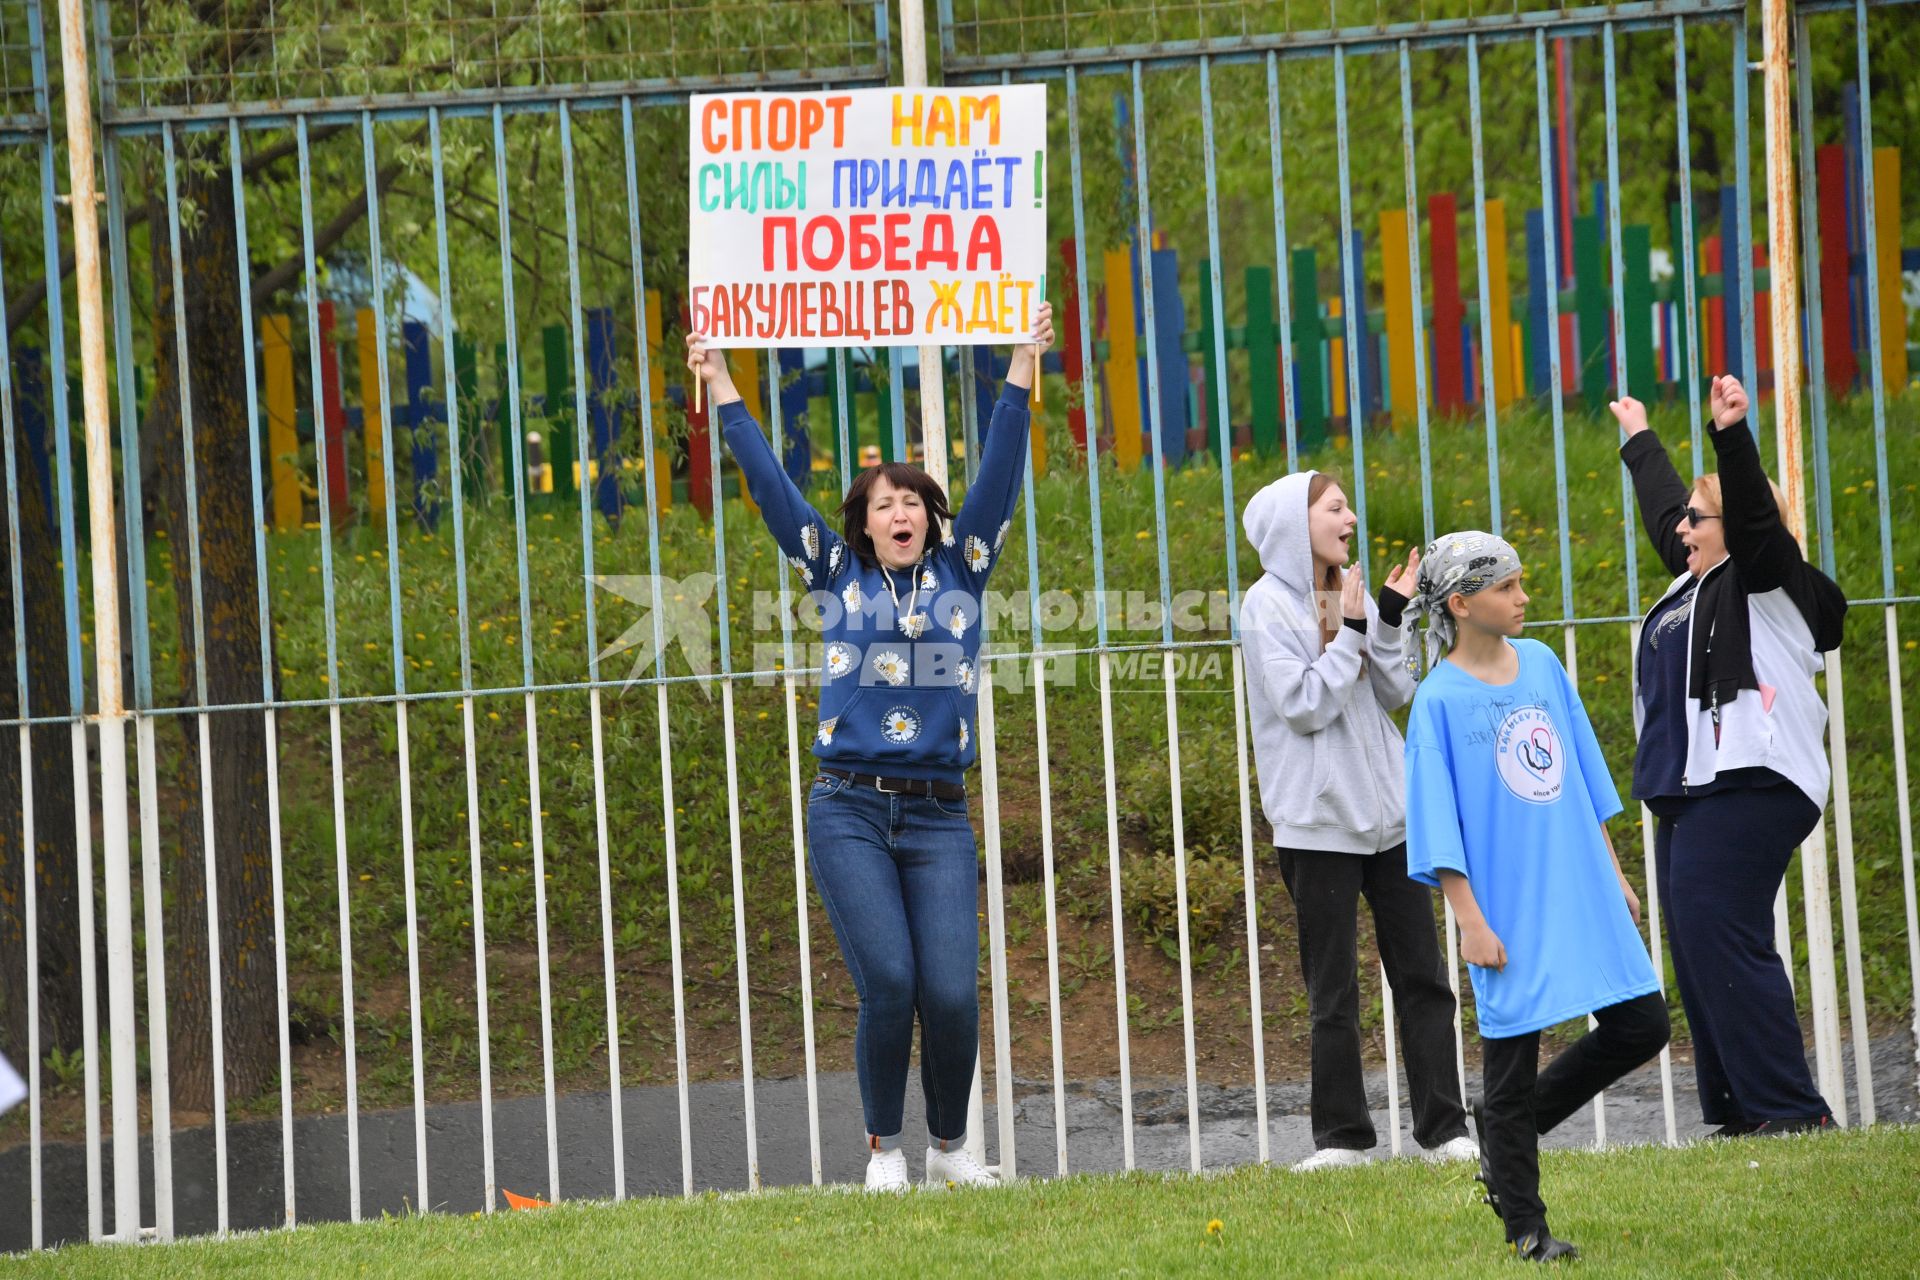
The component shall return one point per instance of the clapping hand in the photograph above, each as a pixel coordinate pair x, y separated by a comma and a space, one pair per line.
1404, 580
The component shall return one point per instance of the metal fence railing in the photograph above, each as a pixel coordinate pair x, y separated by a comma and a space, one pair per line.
169, 59
410, 844
1179, 38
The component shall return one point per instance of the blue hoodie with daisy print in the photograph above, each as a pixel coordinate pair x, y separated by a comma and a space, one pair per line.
901, 648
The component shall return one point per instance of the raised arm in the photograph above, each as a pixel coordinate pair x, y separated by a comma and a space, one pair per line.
796, 524
1003, 452
1758, 540
1657, 488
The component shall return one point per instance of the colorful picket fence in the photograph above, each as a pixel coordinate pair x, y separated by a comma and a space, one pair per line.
874, 394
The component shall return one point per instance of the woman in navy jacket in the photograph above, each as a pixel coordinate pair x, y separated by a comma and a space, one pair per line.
1731, 758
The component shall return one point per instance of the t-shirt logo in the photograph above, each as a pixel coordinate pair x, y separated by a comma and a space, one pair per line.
1530, 757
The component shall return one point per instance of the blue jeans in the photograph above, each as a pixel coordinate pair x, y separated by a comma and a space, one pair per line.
900, 880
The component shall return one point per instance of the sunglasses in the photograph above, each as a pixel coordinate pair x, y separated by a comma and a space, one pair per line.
1696, 518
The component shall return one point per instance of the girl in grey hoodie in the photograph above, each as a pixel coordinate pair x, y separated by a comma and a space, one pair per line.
1326, 665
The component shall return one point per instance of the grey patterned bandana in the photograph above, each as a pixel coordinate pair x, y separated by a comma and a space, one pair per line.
1468, 562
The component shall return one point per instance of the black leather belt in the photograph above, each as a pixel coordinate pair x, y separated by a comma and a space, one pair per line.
903, 786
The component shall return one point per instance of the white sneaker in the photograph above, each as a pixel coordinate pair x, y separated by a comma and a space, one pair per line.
956, 1168
887, 1171
1331, 1158
1460, 1148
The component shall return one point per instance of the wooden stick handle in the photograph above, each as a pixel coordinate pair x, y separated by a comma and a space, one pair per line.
1037, 371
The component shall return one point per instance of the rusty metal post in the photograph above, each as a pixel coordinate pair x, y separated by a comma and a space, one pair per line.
1784, 291
1784, 318
106, 623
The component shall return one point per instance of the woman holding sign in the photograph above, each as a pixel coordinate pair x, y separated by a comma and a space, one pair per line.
900, 582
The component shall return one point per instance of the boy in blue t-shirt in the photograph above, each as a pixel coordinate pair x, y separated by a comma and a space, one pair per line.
1507, 802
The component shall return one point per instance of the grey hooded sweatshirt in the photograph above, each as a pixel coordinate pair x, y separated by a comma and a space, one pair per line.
1330, 760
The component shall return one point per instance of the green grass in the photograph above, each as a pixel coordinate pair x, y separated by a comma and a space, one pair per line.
630, 784
1837, 1205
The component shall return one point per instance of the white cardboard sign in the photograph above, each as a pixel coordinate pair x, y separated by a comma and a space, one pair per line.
867, 217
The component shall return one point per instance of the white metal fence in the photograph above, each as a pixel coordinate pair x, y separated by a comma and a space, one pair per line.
422, 247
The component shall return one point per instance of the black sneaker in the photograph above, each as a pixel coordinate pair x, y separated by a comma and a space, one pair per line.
1802, 1124
1738, 1129
1489, 1196
1540, 1246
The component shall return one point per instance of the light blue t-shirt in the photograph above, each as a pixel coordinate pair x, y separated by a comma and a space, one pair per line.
1506, 784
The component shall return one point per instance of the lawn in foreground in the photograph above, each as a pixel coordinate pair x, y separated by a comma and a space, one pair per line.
1846, 1204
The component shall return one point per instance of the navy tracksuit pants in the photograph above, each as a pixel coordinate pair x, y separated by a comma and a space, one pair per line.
1719, 860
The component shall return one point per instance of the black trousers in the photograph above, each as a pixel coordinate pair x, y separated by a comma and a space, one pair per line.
1326, 889
1523, 1102
1718, 860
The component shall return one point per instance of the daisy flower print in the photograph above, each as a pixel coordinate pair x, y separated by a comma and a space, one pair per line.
900, 725
892, 668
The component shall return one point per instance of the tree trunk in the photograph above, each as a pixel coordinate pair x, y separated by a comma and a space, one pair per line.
56, 865
229, 587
